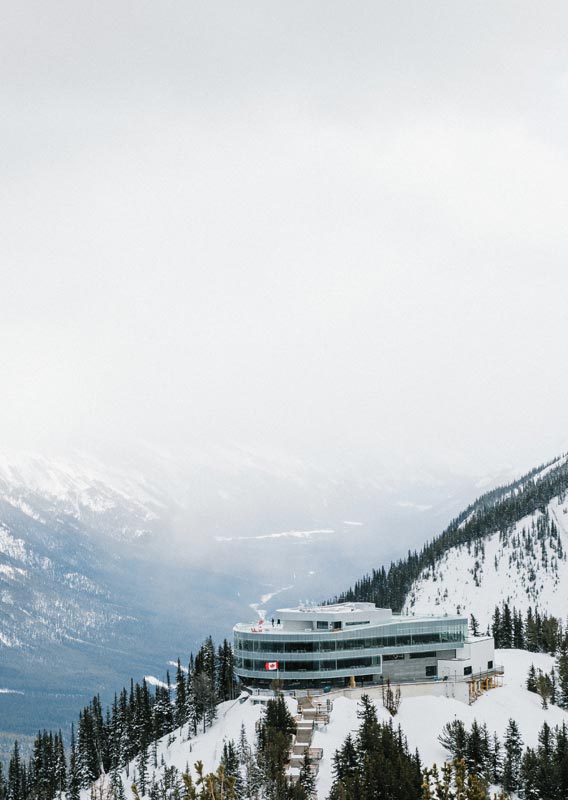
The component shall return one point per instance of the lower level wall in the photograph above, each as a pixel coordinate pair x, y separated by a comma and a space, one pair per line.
457, 690
413, 669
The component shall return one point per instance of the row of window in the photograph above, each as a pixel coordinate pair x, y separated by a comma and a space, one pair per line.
324, 625
262, 644
309, 666
402, 656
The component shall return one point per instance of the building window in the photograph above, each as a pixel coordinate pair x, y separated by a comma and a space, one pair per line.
490, 665
431, 672
467, 670
431, 654
395, 657
322, 626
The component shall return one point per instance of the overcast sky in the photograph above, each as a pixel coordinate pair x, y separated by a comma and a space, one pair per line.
322, 226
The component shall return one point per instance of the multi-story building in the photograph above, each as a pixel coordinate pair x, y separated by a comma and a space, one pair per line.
348, 643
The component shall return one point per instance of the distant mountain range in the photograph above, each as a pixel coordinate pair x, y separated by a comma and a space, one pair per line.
109, 571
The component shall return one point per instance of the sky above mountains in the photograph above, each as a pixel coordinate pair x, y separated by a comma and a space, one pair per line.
334, 229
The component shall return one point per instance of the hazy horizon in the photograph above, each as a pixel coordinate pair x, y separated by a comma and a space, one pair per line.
333, 232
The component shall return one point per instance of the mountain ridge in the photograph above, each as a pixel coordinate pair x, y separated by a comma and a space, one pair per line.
494, 513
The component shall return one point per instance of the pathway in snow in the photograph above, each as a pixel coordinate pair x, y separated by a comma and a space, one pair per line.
309, 718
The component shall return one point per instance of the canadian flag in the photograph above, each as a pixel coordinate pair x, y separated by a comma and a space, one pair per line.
271, 665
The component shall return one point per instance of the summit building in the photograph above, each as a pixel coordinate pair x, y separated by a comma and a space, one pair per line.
356, 643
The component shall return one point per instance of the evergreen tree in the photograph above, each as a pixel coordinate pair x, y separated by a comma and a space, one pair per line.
306, 778
346, 772
528, 775
383, 766
546, 772
180, 702
532, 636
544, 688
251, 771
391, 700
513, 751
225, 671
204, 697
495, 775
518, 631
454, 738
231, 766
473, 625
496, 627
273, 745
506, 632
562, 670
142, 770
16, 784
60, 766
73, 780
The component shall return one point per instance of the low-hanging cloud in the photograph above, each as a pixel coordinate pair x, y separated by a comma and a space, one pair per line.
328, 228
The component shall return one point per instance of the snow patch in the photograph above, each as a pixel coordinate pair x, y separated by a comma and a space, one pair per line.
153, 681
283, 535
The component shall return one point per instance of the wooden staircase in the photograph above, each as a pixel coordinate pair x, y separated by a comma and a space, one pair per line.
309, 717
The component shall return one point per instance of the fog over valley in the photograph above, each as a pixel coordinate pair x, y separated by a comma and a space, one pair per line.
283, 291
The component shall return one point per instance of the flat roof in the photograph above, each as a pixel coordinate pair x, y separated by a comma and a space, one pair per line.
267, 627
343, 608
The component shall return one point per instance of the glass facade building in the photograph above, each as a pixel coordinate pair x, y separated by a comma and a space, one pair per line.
342, 644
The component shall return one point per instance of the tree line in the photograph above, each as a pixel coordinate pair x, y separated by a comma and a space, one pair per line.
534, 631
535, 773
497, 510
376, 764
106, 741
538, 633
256, 771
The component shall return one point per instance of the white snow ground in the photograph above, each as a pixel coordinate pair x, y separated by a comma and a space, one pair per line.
474, 582
421, 718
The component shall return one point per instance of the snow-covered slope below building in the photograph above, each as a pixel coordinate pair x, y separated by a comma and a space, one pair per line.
421, 719
525, 565
112, 565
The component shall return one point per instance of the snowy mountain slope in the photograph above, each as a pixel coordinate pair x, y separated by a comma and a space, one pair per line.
108, 569
120, 504
87, 587
421, 718
524, 564
179, 751
62, 529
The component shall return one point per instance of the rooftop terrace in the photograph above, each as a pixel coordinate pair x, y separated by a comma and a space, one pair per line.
335, 618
